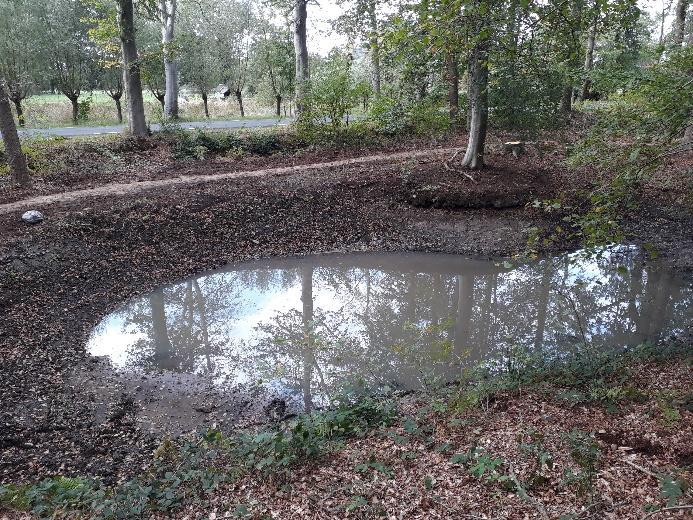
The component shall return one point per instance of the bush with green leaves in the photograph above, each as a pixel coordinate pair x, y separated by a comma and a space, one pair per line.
393, 117
585, 375
333, 93
525, 99
198, 144
632, 136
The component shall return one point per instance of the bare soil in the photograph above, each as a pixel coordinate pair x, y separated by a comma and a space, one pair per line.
60, 415
420, 480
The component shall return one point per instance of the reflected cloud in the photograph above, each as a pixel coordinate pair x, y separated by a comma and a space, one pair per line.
302, 328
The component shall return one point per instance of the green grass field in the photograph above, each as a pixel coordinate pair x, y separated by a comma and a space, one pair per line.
53, 110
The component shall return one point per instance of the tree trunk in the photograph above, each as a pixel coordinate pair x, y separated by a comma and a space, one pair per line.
19, 171
567, 99
133, 83
589, 60
75, 109
239, 98
301, 50
204, 102
465, 306
453, 78
542, 305
20, 113
374, 45
478, 108
680, 22
308, 347
278, 97
164, 354
119, 109
679, 31
168, 10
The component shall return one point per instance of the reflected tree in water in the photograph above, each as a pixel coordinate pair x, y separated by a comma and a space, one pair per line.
305, 330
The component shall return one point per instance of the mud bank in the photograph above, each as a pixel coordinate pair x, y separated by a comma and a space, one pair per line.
62, 411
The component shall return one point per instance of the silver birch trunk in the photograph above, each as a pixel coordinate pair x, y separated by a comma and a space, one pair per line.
168, 19
374, 44
478, 108
19, 171
589, 60
131, 70
301, 50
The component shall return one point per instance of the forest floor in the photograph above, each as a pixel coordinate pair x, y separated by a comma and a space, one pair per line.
62, 413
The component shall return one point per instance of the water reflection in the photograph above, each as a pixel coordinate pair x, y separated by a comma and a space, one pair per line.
301, 328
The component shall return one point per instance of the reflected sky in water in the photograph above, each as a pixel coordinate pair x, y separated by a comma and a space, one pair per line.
303, 327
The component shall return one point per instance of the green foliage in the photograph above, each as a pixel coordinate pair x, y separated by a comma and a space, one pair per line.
672, 488
332, 94
84, 108
632, 135
52, 495
526, 100
583, 376
198, 144
585, 452
394, 118
355, 503
190, 469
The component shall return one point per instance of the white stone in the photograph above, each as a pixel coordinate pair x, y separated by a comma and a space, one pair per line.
33, 217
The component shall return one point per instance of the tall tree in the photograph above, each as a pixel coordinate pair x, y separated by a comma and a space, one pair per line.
478, 106
131, 64
360, 21
276, 55
240, 40
67, 43
168, 10
589, 54
680, 22
301, 52
21, 59
199, 64
478, 87
19, 170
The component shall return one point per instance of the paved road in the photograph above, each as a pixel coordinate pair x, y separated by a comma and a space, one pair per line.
74, 131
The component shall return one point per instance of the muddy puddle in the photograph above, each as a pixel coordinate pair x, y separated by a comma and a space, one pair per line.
271, 337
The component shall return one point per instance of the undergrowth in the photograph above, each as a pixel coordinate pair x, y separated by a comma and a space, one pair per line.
187, 470
584, 376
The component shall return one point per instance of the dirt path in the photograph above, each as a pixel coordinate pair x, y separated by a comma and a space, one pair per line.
134, 187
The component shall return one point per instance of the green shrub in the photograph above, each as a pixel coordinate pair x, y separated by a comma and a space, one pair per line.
333, 92
525, 100
391, 117
84, 108
262, 142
